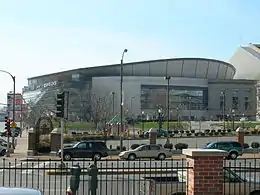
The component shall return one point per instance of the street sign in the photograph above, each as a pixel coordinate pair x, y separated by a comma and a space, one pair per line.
13, 124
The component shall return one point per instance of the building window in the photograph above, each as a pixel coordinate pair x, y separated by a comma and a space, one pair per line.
246, 101
234, 102
75, 77
222, 100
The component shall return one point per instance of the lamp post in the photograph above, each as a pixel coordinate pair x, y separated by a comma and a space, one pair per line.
233, 119
223, 108
190, 112
243, 121
121, 98
160, 118
168, 101
143, 121
113, 103
13, 78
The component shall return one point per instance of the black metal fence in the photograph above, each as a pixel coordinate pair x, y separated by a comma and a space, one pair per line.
242, 177
115, 177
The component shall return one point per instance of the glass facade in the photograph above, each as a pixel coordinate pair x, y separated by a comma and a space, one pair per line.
186, 98
41, 93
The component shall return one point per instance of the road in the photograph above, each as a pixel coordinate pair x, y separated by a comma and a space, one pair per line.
34, 174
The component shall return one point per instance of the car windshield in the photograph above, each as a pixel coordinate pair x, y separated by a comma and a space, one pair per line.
76, 145
210, 145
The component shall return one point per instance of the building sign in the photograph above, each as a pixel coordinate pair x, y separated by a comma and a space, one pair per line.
50, 84
18, 105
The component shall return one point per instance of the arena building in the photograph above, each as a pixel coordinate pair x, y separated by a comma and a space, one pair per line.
198, 89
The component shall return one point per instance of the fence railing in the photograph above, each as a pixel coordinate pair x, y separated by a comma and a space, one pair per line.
141, 177
116, 177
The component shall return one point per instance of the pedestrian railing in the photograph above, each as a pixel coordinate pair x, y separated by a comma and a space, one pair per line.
115, 177
108, 177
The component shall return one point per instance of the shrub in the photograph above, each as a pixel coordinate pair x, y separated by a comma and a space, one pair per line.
169, 146
172, 135
219, 130
176, 131
254, 132
207, 131
181, 131
134, 146
192, 131
181, 146
211, 134
188, 134
187, 131
223, 133
255, 145
196, 134
202, 134
124, 148
229, 130
117, 147
216, 133
212, 131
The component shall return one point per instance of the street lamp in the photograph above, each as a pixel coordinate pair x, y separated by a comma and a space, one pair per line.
113, 103
121, 98
223, 108
233, 119
190, 111
168, 101
160, 118
13, 78
243, 120
143, 121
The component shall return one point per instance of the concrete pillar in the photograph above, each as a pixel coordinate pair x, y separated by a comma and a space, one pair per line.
55, 140
206, 175
152, 136
31, 142
240, 135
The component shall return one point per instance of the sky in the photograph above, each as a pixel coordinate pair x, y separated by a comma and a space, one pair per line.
42, 37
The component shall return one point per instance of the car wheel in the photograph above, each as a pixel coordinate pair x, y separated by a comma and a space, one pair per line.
3, 152
67, 157
233, 155
161, 156
96, 156
131, 157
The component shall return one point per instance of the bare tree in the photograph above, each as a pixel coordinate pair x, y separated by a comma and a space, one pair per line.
100, 109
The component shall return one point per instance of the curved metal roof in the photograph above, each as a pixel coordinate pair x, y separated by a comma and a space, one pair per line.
176, 67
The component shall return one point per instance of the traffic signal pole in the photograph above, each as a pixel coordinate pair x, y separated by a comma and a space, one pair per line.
62, 125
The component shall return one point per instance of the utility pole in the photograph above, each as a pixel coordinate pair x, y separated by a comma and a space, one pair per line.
121, 100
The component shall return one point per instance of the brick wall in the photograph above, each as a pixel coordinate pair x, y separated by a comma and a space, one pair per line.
206, 176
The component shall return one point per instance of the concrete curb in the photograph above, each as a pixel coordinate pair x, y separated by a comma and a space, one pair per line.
116, 171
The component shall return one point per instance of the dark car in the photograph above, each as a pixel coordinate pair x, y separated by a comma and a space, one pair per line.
233, 148
85, 149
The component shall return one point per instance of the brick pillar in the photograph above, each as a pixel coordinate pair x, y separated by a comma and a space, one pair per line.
240, 135
31, 142
206, 176
152, 136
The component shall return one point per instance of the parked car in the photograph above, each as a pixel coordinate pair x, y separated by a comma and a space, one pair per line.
17, 132
147, 151
233, 148
3, 149
19, 191
85, 149
176, 184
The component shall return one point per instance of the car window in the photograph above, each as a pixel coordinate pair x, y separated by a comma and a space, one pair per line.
82, 145
212, 145
143, 148
236, 145
154, 147
223, 145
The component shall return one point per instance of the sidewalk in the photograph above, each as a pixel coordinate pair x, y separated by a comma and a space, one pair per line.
21, 147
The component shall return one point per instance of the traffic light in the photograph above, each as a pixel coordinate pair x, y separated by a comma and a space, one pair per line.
7, 126
60, 105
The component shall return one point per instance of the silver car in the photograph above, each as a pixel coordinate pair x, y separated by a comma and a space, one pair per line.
147, 151
19, 191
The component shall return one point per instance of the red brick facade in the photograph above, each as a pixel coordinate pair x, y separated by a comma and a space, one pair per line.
206, 176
